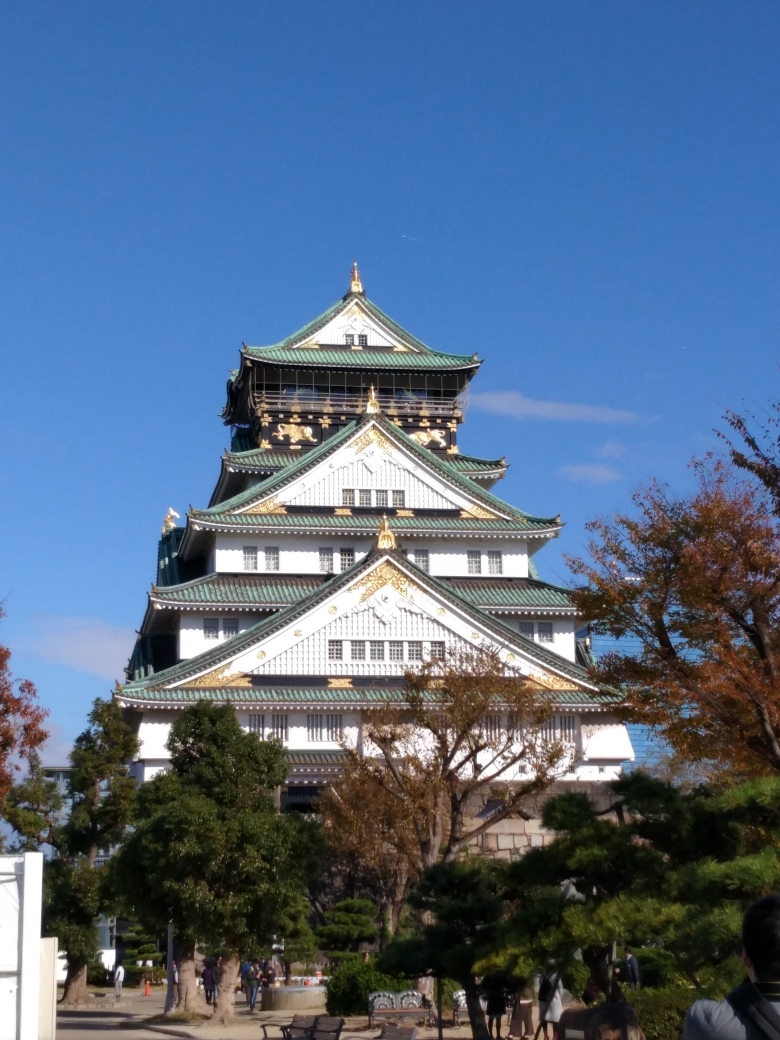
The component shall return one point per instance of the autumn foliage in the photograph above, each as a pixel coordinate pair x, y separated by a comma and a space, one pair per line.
21, 721
694, 582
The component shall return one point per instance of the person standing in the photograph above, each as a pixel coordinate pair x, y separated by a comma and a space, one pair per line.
521, 1025
496, 1006
251, 983
208, 983
119, 978
550, 1003
632, 969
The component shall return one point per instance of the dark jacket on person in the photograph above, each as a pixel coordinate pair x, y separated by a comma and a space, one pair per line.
632, 970
746, 1014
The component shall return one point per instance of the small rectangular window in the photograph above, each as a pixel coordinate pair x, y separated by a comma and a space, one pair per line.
358, 649
398, 500
415, 651
567, 727
545, 630
347, 558
474, 561
495, 561
271, 558
279, 728
491, 727
335, 650
526, 629
211, 627
377, 650
349, 339
381, 500
326, 561
422, 559
229, 627
333, 728
250, 557
314, 728
257, 724
362, 339
437, 651
348, 497
365, 498
396, 650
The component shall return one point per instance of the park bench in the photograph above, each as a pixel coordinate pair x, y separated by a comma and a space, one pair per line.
326, 1028
391, 1031
408, 1004
299, 1029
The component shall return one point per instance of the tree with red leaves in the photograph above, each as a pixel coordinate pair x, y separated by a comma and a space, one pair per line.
21, 721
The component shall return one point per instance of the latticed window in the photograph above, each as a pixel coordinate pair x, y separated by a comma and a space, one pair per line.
437, 650
358, 649
271, 558
211, 628
526, 629
364, 498
326, 561
250, 557
333, 728
474, 561
348, 496
495, 561
561, 727
396, 650
279, 727
314, 731
347, 557
377, 650
349, 339
335, 650
381, 500
415, 651
362, 339
257, 724
398, 499
230, 627
545, 631
422, 559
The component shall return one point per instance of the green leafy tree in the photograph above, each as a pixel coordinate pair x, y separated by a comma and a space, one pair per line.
210, 851
347, 925
300, 942
141, 956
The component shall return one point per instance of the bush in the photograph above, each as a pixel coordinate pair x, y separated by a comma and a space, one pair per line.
661, 1012
657, 968
352, 981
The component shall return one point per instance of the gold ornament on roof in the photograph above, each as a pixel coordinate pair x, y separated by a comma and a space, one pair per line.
355, 285
372, 404
170, 520
385, 539
220, 677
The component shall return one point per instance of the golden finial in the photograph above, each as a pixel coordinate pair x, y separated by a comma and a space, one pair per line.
372, 404
356, 286
385, 539
170, 520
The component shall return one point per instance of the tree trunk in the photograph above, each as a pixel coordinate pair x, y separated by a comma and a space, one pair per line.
287, 973
226, 1000
189, 997
598, 961
76, 991
479, 1029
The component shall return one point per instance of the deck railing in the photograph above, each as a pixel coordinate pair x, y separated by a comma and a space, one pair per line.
391, 404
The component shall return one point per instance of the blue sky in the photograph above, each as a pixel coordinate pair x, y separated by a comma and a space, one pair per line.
585, 194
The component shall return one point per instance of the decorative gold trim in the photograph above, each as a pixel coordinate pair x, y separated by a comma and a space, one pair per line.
298, 633
260, 654
475, 512
372, 404
220, 677
385, 539
340, 684
332, 608
355, 284
311, 344
385, 574
453, 450
270, 505
404, 512
371, 436
342, 511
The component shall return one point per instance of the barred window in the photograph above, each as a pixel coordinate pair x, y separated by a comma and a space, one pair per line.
377, 650
495, 561
437, 651
347, 557
381, 500
526, 629
422, 559
491, 727
314, 728
567, 725
211, 628
348, 496
545, 631
396, 651
326, 561
349, 339
250, 557
333, 728
474, 561
415, 651
230, 627
364, 498
279, 727
398, 500
335, 650
358, 649
271, 558
257, 724
362, 339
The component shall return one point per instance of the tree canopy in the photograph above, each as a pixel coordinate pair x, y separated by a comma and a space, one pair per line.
22, 731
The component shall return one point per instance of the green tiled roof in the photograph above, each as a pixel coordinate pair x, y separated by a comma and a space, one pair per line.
272, 591
263, 459
468, 464
334, 357
413, 526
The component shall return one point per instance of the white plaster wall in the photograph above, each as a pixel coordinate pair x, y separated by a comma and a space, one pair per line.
564, 632
191, 638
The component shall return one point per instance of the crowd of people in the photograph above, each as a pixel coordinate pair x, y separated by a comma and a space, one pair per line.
255, 975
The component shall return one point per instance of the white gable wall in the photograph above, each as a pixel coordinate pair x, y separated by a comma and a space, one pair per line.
356, 321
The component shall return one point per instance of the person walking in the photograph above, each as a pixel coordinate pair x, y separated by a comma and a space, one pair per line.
632, 969
550, 1003
752, 1010
496, 1006
208, 983
216, 974
251, 983
521, 1024
119, 978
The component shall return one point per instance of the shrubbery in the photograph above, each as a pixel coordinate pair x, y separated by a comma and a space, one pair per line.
661, 1012
352, 981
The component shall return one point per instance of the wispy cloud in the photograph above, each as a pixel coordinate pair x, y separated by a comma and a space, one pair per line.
86, 644
592, 473
611, 450
518, 406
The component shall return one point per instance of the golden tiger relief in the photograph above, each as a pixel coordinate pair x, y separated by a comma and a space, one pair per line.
424, 438
294, 432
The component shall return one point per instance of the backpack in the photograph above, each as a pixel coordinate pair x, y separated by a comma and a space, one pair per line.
760, 1012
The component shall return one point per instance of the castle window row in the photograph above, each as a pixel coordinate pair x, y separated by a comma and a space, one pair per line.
320, 727
384, 650
540, 631
367, 497
270, 558
362, 339
211, 627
